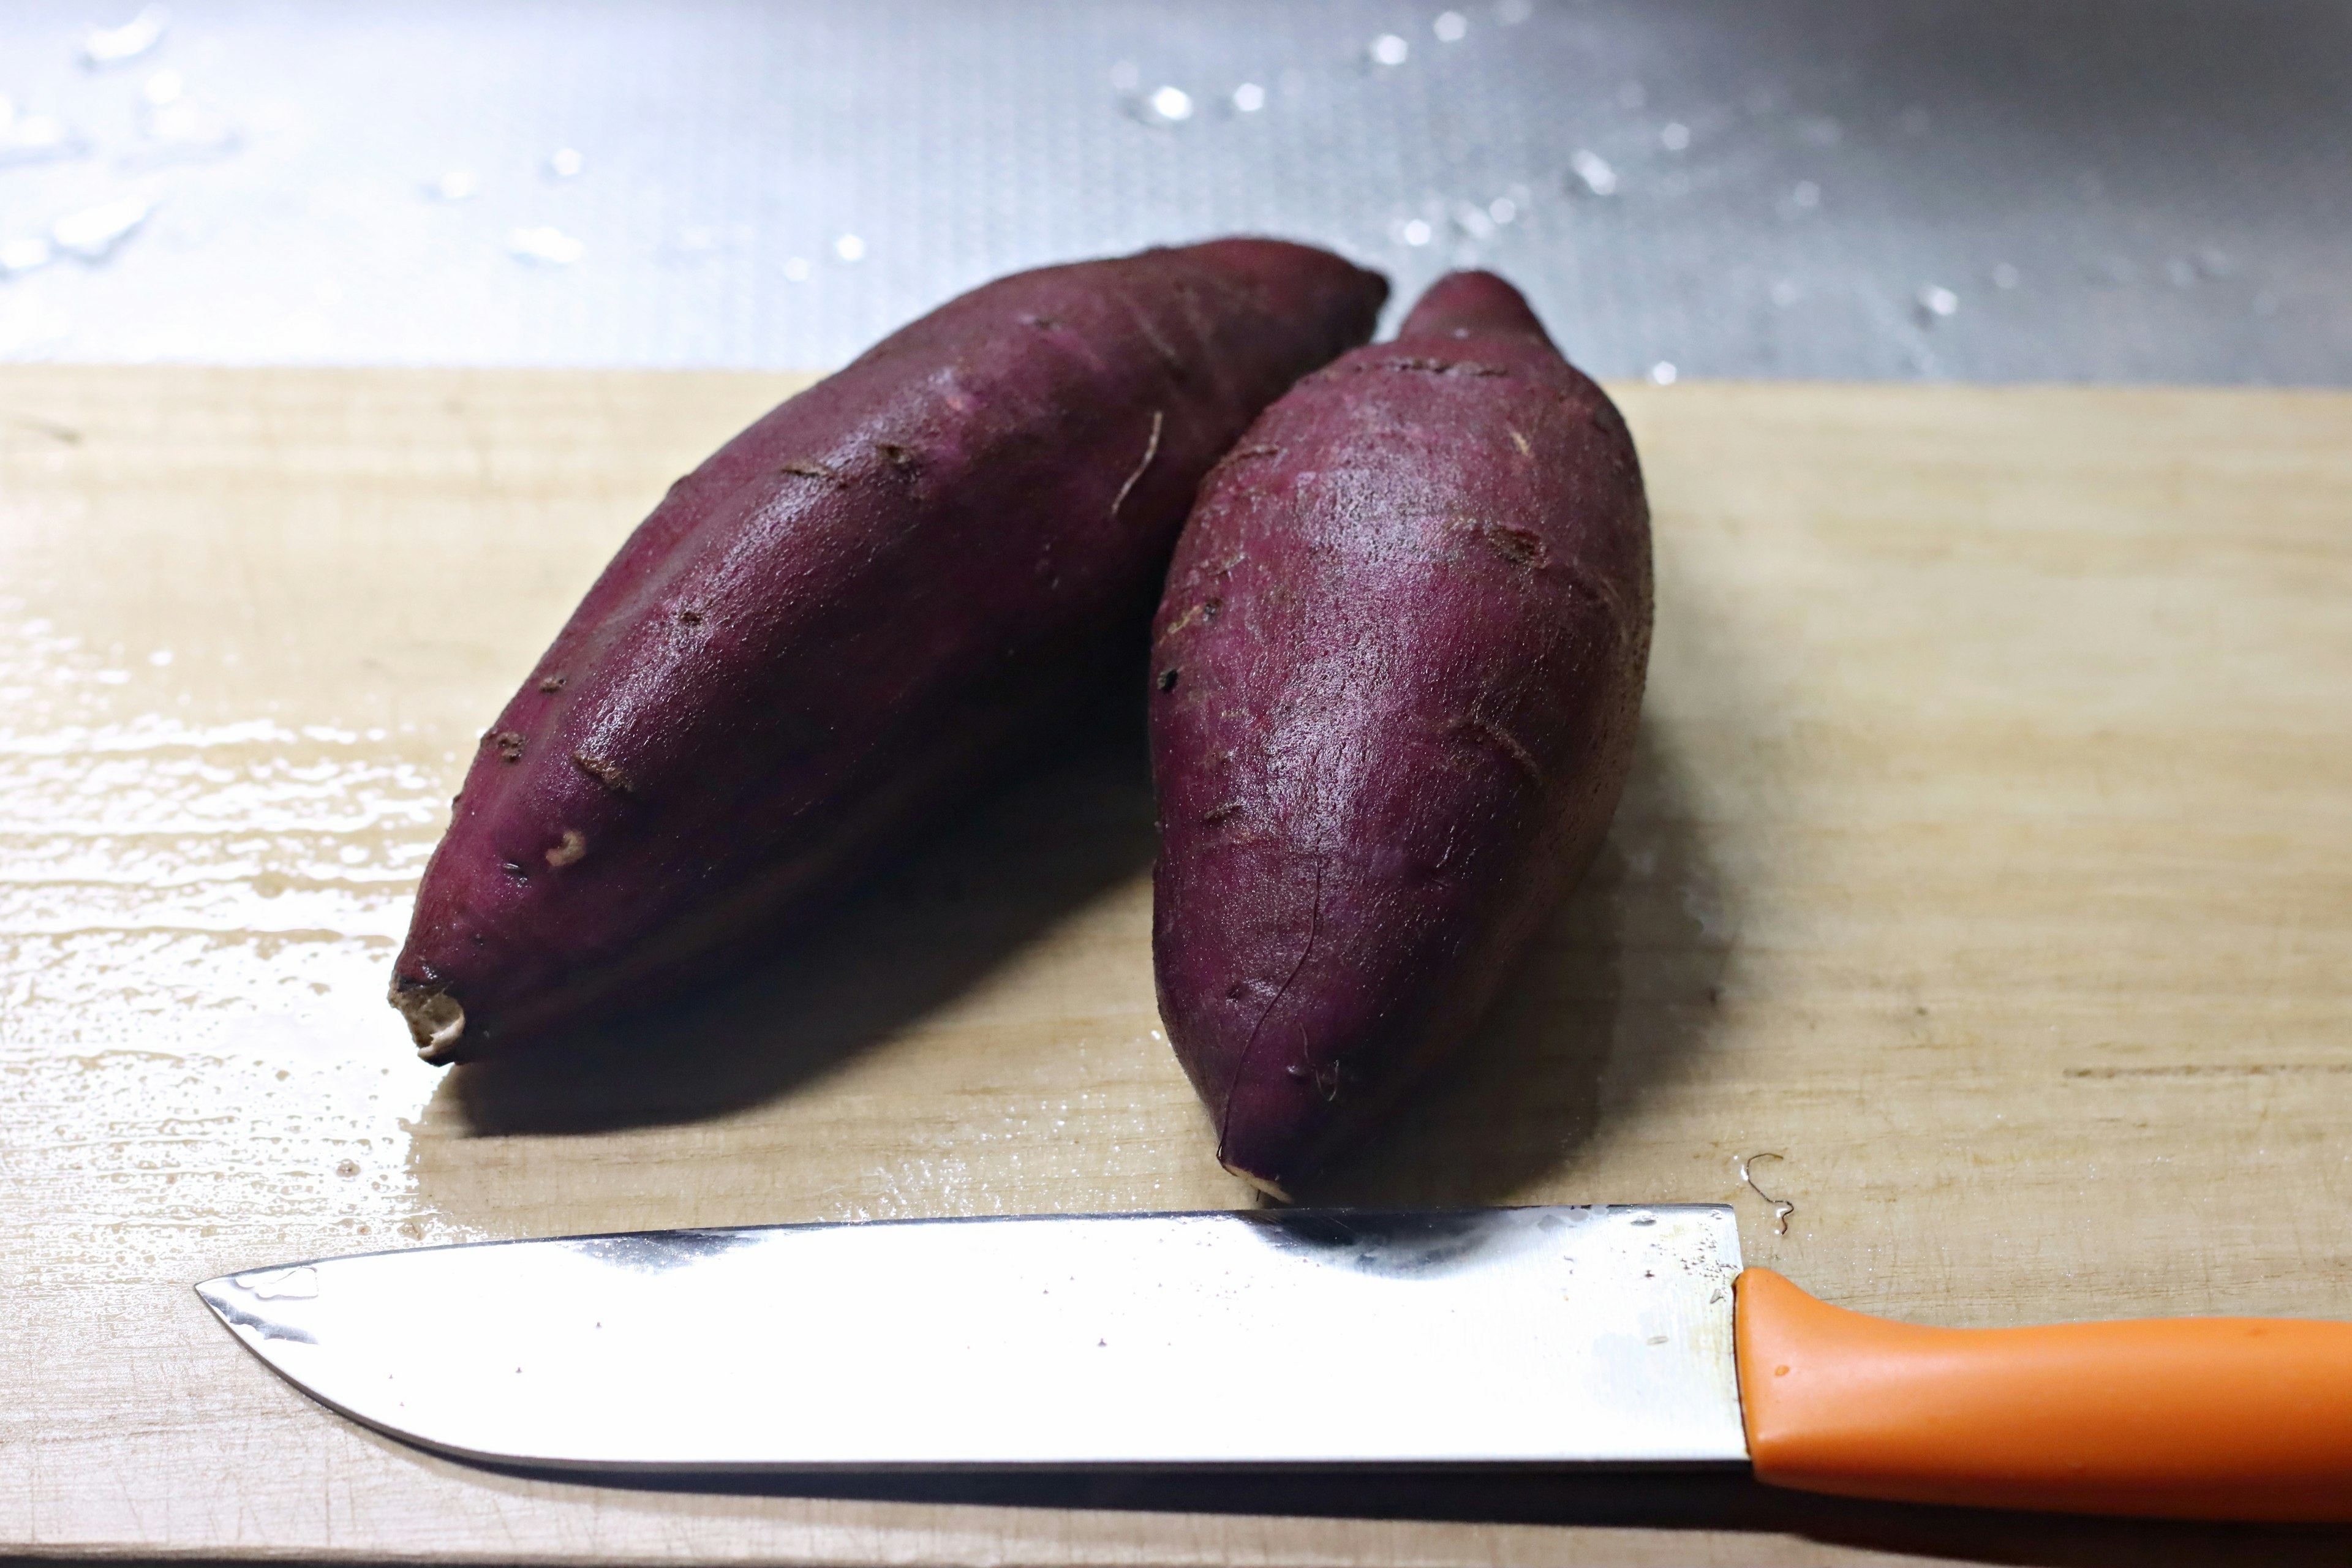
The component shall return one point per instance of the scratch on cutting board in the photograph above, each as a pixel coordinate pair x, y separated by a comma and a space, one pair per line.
40, 426
1781, 1208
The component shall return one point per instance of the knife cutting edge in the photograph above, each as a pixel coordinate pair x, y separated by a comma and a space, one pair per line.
1600, 1335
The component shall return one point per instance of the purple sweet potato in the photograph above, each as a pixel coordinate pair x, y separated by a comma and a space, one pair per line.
847, 617
1395, 673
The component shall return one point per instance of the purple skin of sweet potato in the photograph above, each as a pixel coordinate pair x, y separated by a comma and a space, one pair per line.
1396, 673
855, 610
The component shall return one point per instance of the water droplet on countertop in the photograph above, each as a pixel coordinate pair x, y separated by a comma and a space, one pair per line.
1249, 98
457, 186
566, 163
1805, 196
176, 128
544, 245
26, 255
849, 248
1937, 302
1664, 373
114, 45
1170, 103
2004, 276
796, 269
34, 138
1673, 136
1594, 172
94, 233
1389, 50
1451, 27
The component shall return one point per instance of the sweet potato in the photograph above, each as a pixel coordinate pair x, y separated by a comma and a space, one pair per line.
843, 618
1396, 672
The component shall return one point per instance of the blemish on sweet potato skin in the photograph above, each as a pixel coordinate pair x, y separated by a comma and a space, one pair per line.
1419, 695
880, 593
606, 772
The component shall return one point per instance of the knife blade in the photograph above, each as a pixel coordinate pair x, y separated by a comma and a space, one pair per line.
1532, 1335
1548, 1336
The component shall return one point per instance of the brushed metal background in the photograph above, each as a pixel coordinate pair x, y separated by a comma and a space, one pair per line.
2110, 190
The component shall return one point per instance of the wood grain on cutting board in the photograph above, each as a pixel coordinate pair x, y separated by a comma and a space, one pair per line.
1987, 859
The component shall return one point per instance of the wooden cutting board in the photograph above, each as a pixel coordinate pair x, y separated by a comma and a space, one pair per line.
1988, 862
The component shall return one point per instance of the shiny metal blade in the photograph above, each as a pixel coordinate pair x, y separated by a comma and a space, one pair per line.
1299, 1337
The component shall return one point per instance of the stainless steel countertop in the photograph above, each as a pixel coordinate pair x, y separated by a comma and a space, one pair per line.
2111, 190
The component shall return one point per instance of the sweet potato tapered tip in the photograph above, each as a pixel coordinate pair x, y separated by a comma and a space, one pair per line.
1396, 673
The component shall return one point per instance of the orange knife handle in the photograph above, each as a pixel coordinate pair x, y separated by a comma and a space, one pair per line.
2242, 1419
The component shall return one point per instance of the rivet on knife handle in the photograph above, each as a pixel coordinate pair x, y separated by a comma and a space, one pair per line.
2238, 1418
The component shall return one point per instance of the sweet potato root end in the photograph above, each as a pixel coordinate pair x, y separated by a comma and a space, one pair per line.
437, 1020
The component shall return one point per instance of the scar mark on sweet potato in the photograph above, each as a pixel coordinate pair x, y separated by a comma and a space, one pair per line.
570, 847
1178, 371
1151, 450
1327, 1082
1520, 546
1249, 1047
553, 682
510, 745
1248, 454
1043, 323
900, 458
814, 470
1478, 727
1168, 678
690, 617
603, 773
1521, 443
1199, 615
1217, 813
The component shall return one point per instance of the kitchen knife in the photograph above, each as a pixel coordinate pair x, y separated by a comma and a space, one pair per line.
1598, 1335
